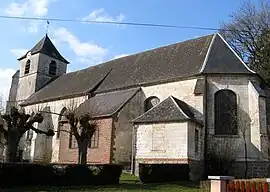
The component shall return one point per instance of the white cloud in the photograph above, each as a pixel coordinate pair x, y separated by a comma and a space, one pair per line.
37, 8
102, 15
119, 56
5, 81
18, 52
30, 8
86, 52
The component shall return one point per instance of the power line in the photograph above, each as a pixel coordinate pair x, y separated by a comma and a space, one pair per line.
110, 22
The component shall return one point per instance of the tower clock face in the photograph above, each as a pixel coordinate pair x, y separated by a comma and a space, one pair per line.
28, 55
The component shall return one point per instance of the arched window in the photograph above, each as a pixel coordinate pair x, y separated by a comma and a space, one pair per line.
150, 102
27, 67
52, 68
225, 113
60, 117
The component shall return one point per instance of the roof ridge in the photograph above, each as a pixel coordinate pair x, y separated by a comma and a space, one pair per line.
207, 54
235, 54
149, 110
173, 99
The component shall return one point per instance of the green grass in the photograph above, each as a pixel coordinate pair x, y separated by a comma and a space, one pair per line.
127, 183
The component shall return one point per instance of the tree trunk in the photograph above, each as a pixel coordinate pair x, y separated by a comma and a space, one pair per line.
12, 147
82, 156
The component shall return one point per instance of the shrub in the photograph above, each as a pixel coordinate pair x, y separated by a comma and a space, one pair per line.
27, 174
109, 174
163, 172
78, 175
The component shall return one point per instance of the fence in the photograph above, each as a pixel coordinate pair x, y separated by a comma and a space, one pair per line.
237, 186
227, 184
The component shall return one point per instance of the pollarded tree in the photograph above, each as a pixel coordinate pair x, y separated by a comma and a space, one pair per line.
82, 126
18, 122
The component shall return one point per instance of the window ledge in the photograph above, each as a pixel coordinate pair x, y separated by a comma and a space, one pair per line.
156, 150
227, 136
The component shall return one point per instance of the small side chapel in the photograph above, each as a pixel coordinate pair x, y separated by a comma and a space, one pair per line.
169, 105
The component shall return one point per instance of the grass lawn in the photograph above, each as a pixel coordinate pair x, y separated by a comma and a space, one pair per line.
128, 183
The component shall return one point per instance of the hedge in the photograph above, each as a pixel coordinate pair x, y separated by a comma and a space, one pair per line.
151, 173
34, 174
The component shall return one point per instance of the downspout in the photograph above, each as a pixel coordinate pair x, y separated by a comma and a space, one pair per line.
205, 105
132, 151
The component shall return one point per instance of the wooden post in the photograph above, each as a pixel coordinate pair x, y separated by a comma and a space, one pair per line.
219, 183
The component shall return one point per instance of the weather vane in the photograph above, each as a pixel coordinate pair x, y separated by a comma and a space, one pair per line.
47, 30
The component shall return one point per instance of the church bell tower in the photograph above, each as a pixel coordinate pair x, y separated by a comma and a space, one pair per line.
38, 67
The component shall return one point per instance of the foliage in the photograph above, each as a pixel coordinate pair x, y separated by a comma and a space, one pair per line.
150, 173
248, 33
31, 174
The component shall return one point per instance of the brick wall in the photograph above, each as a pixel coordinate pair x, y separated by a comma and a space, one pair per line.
102, 154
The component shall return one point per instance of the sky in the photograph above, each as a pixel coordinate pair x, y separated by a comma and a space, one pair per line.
85, 44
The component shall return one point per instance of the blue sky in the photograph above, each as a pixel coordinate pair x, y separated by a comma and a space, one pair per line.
89, 44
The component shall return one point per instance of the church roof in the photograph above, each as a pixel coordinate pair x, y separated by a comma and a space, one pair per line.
71, 84
106, 104
169, 110
46, 47
204, 55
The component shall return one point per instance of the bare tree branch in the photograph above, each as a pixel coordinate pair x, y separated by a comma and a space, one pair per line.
248, 34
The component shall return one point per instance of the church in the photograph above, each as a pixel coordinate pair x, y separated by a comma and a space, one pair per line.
168, 105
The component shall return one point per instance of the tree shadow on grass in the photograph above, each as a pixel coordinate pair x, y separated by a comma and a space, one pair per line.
130, 186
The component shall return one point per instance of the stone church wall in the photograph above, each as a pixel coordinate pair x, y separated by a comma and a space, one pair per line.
27, 84
251, 117
52, 145
162, 143
183, 90
123, 129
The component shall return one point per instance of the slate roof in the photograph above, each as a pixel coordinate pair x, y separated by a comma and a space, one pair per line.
207, 54
106, 104
222, 59
169, 110
71, 84
46, 47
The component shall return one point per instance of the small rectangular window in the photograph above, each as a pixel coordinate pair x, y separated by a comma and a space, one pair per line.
196, 141
92, 144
